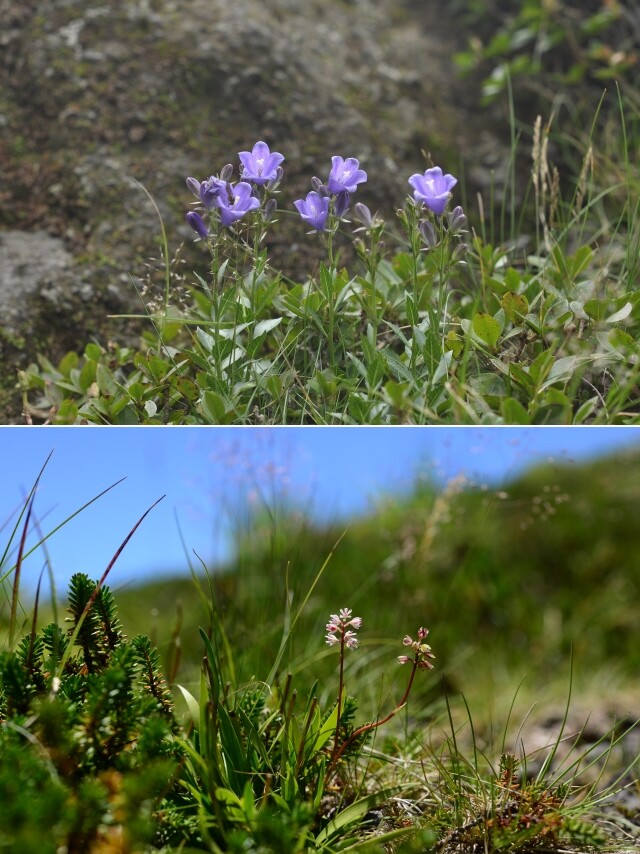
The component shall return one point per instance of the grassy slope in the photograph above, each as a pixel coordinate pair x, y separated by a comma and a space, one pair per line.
508, 583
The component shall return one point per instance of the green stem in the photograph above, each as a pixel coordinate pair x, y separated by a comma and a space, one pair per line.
336, 741
330, 296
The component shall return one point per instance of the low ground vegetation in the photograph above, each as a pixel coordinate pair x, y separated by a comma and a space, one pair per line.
268, 720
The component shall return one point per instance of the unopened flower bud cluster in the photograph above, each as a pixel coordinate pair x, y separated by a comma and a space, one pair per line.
422, 651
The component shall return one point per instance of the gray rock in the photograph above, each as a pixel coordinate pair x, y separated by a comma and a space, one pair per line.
30, 264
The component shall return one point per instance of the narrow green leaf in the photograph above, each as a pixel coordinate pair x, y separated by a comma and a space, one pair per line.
266, 326
192, 705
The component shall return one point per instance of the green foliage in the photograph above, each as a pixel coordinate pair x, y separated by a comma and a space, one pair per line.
86, 739
544, 45
542, 566
495, 338
500, 810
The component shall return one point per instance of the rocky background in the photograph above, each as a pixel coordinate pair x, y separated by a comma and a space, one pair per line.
96, 97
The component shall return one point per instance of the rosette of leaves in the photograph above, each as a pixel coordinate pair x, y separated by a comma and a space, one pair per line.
87, 749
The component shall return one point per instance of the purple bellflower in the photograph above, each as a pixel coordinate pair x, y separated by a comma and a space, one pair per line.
235, 203
433, 189
207, 191
314, 210
211, 192
345, 175
260, 165
197, 224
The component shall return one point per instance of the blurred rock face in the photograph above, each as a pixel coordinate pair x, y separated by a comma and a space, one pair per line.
97, 94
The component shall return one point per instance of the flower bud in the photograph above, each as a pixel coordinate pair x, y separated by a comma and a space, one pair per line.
194, 186
341, 203
197, 224
363, 214
273, 184
269, 209
457, 220
428, 233
319, 187
226, 172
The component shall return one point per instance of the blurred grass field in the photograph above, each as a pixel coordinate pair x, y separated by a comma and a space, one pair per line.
531, 581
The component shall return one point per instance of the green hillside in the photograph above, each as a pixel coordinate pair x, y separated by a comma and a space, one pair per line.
505, 579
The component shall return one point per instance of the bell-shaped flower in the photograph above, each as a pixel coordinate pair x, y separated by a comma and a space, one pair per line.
197, 224
236, 202
260, 165
211, 192
433, 189
314, 210
345, 175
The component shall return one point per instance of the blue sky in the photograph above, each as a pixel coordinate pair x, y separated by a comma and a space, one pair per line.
209, 475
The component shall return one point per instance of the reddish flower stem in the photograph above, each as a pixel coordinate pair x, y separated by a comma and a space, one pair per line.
340, 691
337, 752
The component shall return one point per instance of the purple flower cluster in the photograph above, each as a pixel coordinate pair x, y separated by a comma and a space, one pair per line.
324, 205
343, 180
260, 167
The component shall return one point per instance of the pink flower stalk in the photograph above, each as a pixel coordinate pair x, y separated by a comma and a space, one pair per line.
339, 631
420, 660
